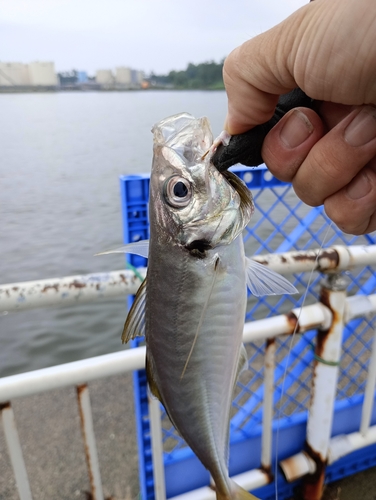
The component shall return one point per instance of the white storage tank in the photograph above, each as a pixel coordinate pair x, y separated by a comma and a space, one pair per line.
42, 74
14, 74
123, 75
104, 77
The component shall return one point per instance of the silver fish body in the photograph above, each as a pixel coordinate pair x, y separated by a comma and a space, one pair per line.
196, 291
191, 306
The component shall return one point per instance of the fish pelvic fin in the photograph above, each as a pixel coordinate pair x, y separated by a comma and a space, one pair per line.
237, 493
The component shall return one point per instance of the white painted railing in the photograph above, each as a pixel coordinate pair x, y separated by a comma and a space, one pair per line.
329, 315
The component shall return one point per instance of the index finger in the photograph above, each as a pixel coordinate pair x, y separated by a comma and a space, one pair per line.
248, 106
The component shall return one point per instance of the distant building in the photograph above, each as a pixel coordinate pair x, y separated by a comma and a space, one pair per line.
123, 76
123, 79
33, 74
67, 78
137, 77
75, 80
82, 77
105, 77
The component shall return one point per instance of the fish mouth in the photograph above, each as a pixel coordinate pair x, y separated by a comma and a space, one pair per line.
198, 248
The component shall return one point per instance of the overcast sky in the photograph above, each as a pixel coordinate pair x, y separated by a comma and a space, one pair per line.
150, 35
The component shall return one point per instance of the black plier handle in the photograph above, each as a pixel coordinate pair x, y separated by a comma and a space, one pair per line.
246, 148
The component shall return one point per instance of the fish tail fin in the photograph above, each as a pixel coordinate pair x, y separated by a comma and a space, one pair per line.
239, 493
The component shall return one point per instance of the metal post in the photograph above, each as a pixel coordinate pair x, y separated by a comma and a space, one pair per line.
369, 393
324, 384
89, 440
157, 448
15, 451
267, 418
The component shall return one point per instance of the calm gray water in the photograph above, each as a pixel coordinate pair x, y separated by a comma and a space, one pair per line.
61, 157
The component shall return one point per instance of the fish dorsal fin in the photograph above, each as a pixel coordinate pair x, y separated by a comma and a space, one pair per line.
263, 281
137, 247
135, 322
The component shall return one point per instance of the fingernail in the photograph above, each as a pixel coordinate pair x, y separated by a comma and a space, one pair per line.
362, 129
359, 187
296, 129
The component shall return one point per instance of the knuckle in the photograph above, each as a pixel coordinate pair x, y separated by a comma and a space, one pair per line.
232, 66
283, 170
349, 218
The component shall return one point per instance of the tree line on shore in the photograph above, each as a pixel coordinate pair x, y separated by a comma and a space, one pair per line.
206, 75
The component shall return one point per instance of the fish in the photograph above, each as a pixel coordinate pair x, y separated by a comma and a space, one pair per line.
191, 306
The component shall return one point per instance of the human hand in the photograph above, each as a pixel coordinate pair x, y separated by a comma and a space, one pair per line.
328, 49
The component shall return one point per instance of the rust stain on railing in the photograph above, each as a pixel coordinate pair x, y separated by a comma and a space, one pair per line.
4, 406
67, 290
81, 391
314, 483
293, 321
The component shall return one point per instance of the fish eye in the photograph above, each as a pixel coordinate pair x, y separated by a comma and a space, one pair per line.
177, 192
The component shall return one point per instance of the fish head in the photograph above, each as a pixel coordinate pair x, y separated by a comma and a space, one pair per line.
191, 203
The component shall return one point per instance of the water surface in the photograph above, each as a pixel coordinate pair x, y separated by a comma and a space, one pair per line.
61, 157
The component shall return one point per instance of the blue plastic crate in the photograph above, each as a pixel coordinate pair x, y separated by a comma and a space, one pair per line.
281, 222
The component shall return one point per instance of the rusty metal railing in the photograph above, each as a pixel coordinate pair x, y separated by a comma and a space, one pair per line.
328, 316
69, 290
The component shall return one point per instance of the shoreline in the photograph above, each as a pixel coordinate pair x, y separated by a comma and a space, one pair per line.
52, 90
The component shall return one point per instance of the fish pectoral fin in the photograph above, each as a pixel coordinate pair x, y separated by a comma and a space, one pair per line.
263, 281
137, 247
135, 322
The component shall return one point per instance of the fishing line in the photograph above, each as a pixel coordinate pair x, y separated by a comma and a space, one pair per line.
288, 358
